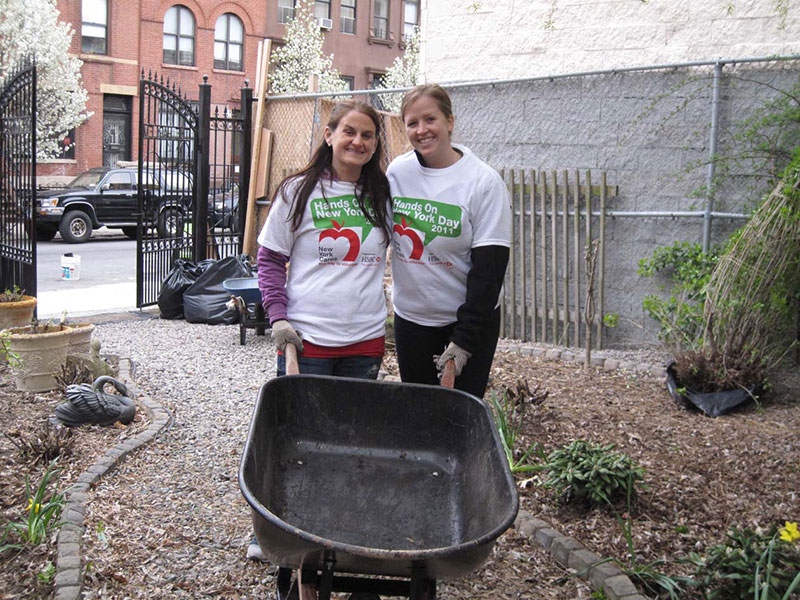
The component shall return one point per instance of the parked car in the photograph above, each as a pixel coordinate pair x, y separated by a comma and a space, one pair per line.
223, 207
106, 196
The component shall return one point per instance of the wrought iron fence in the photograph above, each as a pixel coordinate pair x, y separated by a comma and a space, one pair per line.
18, 179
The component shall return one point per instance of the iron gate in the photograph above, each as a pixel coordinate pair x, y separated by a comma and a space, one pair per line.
194, 172
18, 179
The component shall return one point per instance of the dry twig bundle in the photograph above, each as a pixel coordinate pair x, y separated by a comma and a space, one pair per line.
753, 291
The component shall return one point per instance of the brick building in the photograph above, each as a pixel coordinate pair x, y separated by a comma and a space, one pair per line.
183, 40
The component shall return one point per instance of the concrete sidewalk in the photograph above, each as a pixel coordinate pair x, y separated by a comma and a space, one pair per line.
98, 299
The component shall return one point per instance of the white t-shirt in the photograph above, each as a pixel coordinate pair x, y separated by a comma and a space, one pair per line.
439, 216
336, 266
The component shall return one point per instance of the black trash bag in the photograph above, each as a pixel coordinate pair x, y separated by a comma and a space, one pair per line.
204, 301
712, 404
170, 297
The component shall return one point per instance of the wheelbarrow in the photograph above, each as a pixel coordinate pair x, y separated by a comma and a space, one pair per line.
373, 487
247, 299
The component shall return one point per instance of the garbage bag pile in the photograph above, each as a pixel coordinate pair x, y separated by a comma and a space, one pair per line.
194, 291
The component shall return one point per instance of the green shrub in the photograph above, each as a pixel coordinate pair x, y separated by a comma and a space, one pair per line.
586, 471
680, 315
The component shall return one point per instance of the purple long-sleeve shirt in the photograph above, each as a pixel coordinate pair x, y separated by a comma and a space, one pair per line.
272, 282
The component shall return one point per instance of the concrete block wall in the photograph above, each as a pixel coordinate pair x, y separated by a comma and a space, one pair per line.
518, 38
650, 132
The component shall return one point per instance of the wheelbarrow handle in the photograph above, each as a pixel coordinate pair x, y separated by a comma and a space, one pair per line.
449, 374
292, 366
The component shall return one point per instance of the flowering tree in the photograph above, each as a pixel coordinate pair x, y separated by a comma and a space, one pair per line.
403, 73
301, 57
32, 29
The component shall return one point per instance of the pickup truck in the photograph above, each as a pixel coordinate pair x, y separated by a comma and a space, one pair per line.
107, 196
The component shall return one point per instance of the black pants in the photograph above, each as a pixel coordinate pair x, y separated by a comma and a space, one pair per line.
417, 344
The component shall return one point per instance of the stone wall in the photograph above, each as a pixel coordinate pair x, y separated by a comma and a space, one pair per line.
504, 39
650, 132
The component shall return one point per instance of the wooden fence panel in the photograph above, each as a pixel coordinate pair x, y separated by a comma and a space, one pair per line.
553, 223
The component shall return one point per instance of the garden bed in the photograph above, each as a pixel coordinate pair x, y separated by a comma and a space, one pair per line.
170, 521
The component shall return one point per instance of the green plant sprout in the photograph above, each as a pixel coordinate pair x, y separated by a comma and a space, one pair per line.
42, 511
13, 294
508, 418
47, 573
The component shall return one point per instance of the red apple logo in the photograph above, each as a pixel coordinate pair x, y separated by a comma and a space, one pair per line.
416, 243
348, 234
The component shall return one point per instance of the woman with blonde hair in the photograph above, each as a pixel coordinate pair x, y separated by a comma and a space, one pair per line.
450, 248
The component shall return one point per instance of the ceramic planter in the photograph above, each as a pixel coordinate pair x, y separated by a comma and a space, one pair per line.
38, 356
713, 404
80, 338
17, 314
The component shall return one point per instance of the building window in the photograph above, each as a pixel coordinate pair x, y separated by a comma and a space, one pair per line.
228, 43
94, 27
380, 19
179, 36
285, 10
349, 81
410, 18
322, 9
348, 16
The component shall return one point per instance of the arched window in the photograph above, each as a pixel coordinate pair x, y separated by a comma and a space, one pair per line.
179, 36
228, 43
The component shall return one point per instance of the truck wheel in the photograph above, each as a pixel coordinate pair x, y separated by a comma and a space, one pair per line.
75, 227
130, 232
170, 223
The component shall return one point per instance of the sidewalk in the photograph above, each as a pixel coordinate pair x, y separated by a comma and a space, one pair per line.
108, 298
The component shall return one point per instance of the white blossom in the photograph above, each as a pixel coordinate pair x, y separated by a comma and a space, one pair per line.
404, 73
32, 29
301, 57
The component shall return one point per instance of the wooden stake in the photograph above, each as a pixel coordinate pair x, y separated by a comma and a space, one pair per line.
249, 242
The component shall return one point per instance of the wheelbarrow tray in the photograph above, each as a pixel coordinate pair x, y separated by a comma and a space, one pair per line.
384, 478
246, 287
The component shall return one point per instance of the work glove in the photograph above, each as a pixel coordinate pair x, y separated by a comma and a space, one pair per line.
283, 333
457, 353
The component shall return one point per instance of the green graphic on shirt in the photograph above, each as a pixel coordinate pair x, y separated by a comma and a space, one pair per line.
430, 217
338, 212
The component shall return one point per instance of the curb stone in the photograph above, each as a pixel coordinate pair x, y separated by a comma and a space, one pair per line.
569, 553
68, 581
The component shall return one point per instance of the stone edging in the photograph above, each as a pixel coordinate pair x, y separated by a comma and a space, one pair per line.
570, 554
69, 572
599, 359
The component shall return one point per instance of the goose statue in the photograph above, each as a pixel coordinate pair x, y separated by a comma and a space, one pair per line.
90, 404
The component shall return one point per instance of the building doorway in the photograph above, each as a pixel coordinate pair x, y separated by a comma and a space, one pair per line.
116, 129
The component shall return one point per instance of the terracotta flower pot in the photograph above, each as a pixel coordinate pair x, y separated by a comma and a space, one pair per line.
17, 314
38, 356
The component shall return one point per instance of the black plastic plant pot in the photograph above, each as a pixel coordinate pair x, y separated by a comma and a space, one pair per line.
712, 404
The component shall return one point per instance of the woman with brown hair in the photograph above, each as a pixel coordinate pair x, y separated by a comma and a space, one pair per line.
331, 223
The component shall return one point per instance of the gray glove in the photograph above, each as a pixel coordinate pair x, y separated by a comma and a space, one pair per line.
457, 353
283, 333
